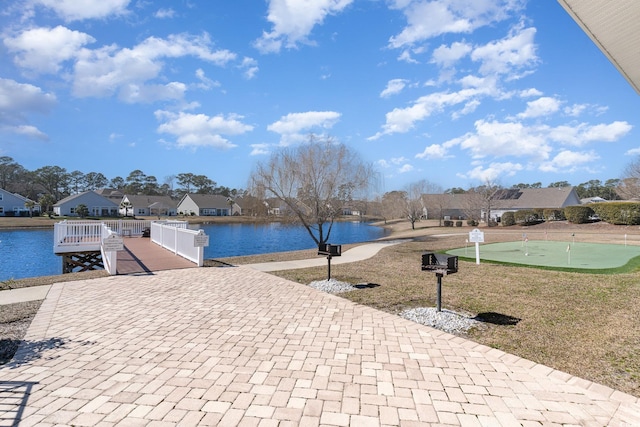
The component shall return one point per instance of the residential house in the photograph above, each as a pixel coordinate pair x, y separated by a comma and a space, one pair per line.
98, 205
141, 205
473, 205
13, 204
208, 205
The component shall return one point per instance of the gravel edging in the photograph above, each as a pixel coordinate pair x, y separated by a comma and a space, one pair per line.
445, 320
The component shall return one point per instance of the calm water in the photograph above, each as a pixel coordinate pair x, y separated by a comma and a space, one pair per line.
29, 253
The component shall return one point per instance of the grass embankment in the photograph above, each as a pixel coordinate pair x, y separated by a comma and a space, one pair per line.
580, 323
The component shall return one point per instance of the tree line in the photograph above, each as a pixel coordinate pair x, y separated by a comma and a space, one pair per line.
56, 183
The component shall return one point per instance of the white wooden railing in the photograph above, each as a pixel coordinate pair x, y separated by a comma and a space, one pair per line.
182, 241
69, 236
126, 227
88, 236
109, 258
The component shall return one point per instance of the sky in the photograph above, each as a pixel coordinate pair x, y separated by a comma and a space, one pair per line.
454, 92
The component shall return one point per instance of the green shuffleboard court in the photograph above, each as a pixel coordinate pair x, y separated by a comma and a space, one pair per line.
593, 256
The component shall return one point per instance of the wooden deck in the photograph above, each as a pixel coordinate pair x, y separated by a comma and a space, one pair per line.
141, 255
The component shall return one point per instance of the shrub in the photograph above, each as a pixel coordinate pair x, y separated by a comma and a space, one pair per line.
508, 219
448, 223
553, 214
578, 214
458, 223
526, 217
472, 222
627, 213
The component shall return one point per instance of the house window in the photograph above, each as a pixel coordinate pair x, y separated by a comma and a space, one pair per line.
141, 212
72, 211
1, 210
1, 196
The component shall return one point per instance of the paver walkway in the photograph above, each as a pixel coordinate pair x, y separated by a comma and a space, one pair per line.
235, 346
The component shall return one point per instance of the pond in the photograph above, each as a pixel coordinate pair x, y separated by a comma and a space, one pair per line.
29, 253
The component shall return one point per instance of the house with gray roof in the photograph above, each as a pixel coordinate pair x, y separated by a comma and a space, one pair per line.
473, 206
141, 205
208, 205
13, 204
97, 205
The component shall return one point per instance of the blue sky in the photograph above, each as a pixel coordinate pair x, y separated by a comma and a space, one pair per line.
455, 92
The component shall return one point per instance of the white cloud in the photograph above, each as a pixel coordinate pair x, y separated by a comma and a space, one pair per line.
543, 106
582, 133
200, 130
468, 108
250, 67
529, 93
633, 152
394, 87
44, 49
508, 55
433, 151
164, 13
205, 82
17, 102
291, 126
108, 70
502, 139
401, 120
28, 131
427, 19
134, 93
575, 110
494, 171
405, 56
259, 149
446, 56
73, 10
293, 21
607, 132
19, 98
405, 168
568, 161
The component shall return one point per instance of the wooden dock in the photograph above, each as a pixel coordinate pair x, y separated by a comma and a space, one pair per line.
141, 255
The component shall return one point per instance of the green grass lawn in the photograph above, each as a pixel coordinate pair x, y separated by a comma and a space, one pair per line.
558, 255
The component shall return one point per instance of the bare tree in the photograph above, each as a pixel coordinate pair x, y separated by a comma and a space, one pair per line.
415, 208
393, 203
629, 185
482, 199
314, 180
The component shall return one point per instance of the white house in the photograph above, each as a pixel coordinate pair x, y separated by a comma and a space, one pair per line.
97, 205
141, 205
12, 204
208, 205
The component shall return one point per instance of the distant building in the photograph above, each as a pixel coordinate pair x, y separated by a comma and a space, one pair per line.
12, 204
140, 205
471, 206
208, 205
96, 204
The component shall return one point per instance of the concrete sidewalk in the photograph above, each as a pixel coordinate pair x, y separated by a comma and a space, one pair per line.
32, 293
236, 346
354, 254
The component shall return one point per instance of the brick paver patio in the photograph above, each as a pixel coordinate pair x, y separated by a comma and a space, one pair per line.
235, 346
